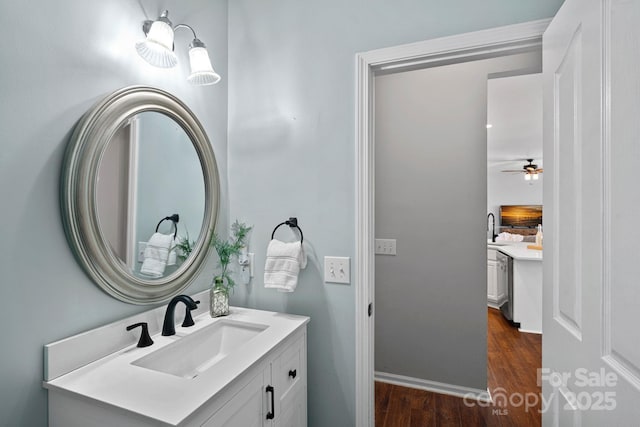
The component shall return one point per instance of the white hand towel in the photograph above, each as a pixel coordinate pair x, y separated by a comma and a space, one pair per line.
508, 237
156, 254
173, 252
283, 264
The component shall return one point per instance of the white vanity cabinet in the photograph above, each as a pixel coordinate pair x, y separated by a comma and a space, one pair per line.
245, 408
291, 387
261, 381
275, 396
246, 402
492, 278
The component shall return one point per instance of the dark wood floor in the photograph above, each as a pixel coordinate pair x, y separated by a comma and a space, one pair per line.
513, 358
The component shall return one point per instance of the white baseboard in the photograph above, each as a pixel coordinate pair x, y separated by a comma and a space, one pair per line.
530, 331
434, 386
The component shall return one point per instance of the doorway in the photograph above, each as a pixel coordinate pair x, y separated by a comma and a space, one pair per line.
477, 46
430, 199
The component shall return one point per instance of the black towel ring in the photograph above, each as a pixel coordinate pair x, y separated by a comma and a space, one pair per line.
291, 222
175, 218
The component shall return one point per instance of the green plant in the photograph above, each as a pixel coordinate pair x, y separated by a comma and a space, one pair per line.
227, 250
184, 248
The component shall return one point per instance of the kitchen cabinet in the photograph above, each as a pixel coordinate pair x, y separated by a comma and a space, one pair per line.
502, 280
492, 279
526, 296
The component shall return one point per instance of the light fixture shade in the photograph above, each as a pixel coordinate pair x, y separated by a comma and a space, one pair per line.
527, 176
535, 176
157, 48
202, 72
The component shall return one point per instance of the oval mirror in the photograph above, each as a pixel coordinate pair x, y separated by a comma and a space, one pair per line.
140, 194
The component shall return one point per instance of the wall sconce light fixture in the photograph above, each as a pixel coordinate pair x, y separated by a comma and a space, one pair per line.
157, 50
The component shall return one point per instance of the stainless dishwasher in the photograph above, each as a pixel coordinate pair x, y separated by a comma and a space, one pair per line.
505, 281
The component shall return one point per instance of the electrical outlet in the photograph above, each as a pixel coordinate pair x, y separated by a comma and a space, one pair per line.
385, 246
141, 247
336, 270
245, 259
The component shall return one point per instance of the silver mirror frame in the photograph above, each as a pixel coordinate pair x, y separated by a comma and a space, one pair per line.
78, 194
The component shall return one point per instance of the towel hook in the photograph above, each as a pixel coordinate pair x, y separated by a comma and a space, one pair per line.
291, 222
175, 218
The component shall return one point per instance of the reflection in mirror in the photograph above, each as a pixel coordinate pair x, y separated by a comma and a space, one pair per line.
137, 156
148, 171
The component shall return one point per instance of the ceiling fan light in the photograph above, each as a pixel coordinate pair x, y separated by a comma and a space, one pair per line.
527, 176
535, 176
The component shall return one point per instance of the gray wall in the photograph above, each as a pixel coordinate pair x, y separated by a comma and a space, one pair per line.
291, 147
58, 58
431, 195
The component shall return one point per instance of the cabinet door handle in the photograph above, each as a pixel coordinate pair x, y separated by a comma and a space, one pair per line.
293, 373
272, 414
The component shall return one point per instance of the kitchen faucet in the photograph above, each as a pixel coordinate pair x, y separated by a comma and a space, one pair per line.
169, 327
493, 226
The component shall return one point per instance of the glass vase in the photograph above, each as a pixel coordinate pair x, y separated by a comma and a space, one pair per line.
219, 299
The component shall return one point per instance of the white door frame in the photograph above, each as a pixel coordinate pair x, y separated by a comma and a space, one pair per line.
132, 201
459, 48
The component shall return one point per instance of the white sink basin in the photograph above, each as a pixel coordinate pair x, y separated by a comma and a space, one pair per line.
199, 351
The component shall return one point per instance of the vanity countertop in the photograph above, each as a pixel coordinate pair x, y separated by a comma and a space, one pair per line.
170, 399
518, 251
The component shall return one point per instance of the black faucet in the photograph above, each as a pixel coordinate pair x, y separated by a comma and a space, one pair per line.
169, 327
493, 226
145, 340
188, 320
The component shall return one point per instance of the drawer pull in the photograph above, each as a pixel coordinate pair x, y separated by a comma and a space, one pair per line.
272, 414
293, 373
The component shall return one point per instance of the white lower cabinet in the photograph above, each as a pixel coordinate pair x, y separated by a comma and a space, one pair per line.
492, 278
275, 396
496, 279
501, 283
246, 408
291, 387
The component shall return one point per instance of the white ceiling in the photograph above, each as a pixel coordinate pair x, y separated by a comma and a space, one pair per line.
514, 108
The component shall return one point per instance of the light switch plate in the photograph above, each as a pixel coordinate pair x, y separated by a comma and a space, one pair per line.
336, 269
141, 247
385, 246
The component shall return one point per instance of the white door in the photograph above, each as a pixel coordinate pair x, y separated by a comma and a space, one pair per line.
591, 344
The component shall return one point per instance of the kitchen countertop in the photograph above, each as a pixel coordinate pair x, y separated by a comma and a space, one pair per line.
517, 250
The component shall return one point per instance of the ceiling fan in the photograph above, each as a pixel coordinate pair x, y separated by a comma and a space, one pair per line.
530, 170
